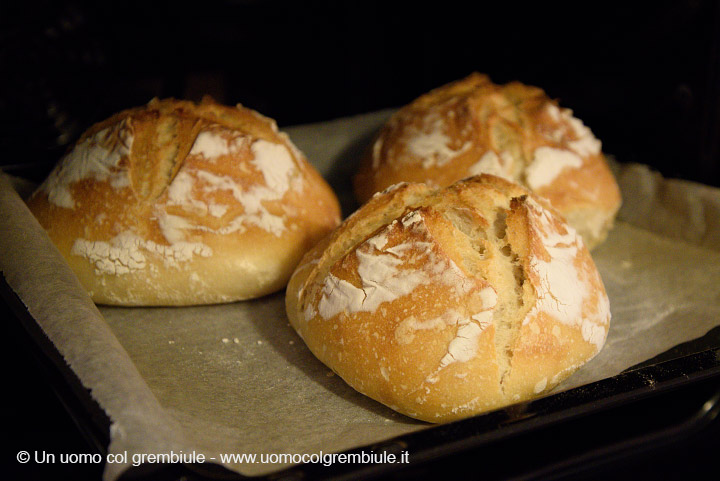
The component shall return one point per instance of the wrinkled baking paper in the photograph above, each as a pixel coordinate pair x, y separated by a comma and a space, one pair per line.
236, 378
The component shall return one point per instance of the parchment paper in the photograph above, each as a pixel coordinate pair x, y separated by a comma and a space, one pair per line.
235, 378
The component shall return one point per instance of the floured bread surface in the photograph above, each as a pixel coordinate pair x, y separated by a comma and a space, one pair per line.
514, 131
177, 203
447, 303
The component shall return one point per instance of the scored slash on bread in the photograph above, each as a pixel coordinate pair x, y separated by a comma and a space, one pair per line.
178, 203
473, 126
445, 303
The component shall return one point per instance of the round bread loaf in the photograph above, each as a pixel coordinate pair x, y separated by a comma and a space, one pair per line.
514, 131
447, 303
178, 203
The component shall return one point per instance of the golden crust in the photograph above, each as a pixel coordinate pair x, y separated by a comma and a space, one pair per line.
444, 304
473, 126
178, 203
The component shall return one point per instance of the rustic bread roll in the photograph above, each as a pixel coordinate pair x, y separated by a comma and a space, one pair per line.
177, 203
473, 126
444, 304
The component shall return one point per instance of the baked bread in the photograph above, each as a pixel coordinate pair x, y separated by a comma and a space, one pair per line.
473, 126
447, 303
178, 203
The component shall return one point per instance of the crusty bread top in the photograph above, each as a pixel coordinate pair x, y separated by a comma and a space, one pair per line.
178, 193
446, 303
159, 135
515, 131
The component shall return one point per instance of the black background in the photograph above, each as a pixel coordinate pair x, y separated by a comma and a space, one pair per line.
644, 76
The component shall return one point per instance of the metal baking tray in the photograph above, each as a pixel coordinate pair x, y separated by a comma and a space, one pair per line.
686, 377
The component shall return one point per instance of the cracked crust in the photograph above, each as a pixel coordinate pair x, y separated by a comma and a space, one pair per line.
447, 303
473, 126
178, 203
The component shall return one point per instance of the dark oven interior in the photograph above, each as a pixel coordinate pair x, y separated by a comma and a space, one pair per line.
644, 78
